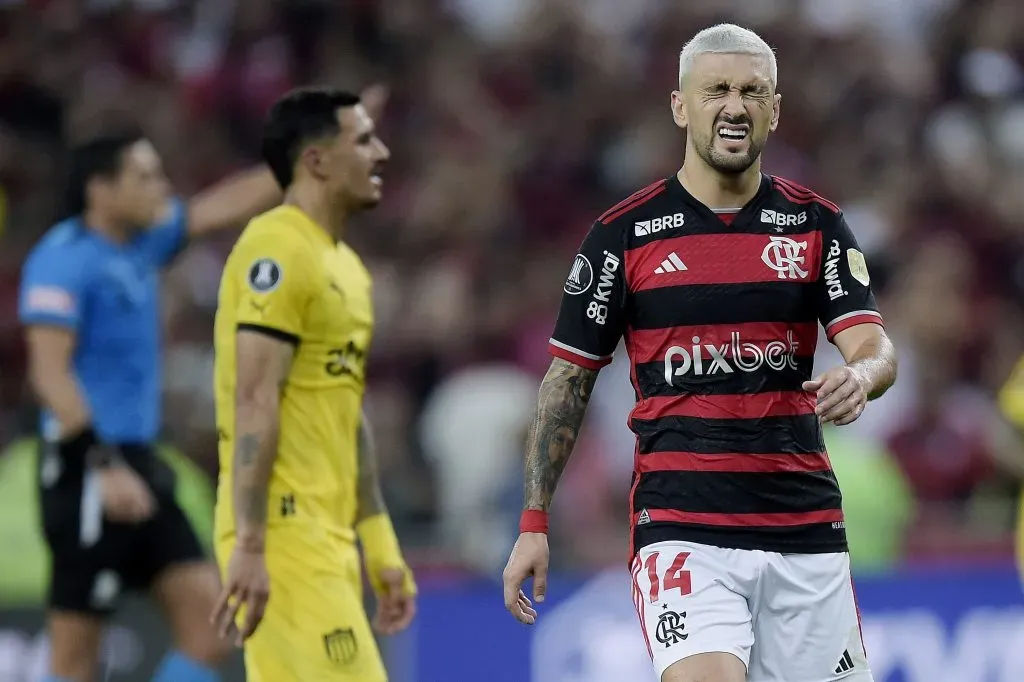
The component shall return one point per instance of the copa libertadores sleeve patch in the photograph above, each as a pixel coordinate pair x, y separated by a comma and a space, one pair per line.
264, 275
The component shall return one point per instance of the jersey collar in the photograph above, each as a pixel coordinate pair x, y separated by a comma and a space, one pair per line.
751, 209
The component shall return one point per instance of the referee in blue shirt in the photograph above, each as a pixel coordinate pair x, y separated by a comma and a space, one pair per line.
89, 302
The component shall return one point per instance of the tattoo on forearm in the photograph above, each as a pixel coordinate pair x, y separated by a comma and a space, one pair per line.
371, 499
251, 505
247, 449
561, 406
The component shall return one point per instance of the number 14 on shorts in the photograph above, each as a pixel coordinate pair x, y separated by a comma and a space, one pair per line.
676, 577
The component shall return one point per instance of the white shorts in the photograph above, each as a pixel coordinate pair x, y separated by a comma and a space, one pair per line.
788, 617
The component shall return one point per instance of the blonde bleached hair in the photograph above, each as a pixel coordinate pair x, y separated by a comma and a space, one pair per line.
727, 39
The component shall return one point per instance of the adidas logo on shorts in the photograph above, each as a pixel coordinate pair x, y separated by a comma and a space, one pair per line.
845, 663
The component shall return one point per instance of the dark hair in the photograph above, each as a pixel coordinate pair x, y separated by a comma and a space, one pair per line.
101, 156
296, 119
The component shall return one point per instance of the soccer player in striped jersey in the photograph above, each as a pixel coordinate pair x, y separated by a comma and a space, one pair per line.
717, 277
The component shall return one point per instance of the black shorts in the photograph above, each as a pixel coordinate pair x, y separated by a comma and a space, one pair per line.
93, 561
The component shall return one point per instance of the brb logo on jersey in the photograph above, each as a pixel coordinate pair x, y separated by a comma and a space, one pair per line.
785, 256
706, 359
782, 219
597, 310
655, 225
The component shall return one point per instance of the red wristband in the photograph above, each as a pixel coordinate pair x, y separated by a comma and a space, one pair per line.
533, 521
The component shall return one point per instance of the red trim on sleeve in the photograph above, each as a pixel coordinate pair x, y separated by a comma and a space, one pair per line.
576, 358
844, 323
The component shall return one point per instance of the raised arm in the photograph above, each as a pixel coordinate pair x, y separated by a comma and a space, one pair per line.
233, 201
561, 405
246, 194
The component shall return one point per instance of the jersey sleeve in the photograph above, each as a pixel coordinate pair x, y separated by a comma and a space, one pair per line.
844, 291
592, 316
53, 287
273, 278
165, 239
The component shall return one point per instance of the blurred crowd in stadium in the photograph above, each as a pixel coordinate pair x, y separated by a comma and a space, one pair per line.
512, 124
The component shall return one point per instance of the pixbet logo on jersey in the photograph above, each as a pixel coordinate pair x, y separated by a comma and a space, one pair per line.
655, 225
597, 309
706, 359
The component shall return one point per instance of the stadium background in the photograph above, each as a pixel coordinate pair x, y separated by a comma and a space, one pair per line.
512, 124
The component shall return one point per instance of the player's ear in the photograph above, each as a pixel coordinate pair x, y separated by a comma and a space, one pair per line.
776, 103
678, 109
312, 159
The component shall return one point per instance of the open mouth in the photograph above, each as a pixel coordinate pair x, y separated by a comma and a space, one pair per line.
733, 133
377, 177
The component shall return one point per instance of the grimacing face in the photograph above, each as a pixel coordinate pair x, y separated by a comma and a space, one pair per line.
354, 160
139, 192
727, 106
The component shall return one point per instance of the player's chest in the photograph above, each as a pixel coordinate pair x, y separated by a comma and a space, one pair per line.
725, 258
122, 302
343, 307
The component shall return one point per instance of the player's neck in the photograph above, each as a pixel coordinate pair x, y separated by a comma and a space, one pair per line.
717, 190
330, 218
104, 225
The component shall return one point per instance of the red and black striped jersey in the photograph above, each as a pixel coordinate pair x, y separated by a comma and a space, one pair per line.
720, 323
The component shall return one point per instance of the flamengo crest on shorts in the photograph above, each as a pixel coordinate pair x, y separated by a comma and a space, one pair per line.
720, 319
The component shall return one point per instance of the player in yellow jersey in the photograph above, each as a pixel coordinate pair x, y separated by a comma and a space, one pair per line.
1011, 402
298, 484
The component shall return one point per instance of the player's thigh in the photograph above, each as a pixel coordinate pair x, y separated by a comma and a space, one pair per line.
714, 667
315, 627
171, 564
806, 622
74, 644
694, 612
85, 586
186, 593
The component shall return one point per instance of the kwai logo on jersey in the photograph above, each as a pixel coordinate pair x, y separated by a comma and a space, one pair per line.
655, 225
785, 256
597, 310
832, 282
706, 359
581, 276
783, 219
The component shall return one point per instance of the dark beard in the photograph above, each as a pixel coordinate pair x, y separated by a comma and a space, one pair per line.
732, 164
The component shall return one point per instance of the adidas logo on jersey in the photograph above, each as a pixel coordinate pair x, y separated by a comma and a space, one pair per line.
671, 264
643, 518
655, 225
845, 663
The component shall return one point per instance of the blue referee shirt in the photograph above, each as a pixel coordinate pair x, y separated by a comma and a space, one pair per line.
108, 295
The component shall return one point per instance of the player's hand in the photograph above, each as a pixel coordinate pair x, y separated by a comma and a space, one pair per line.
842, 395
395, 606
374, 98
126, 497
529, 558
248, 584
